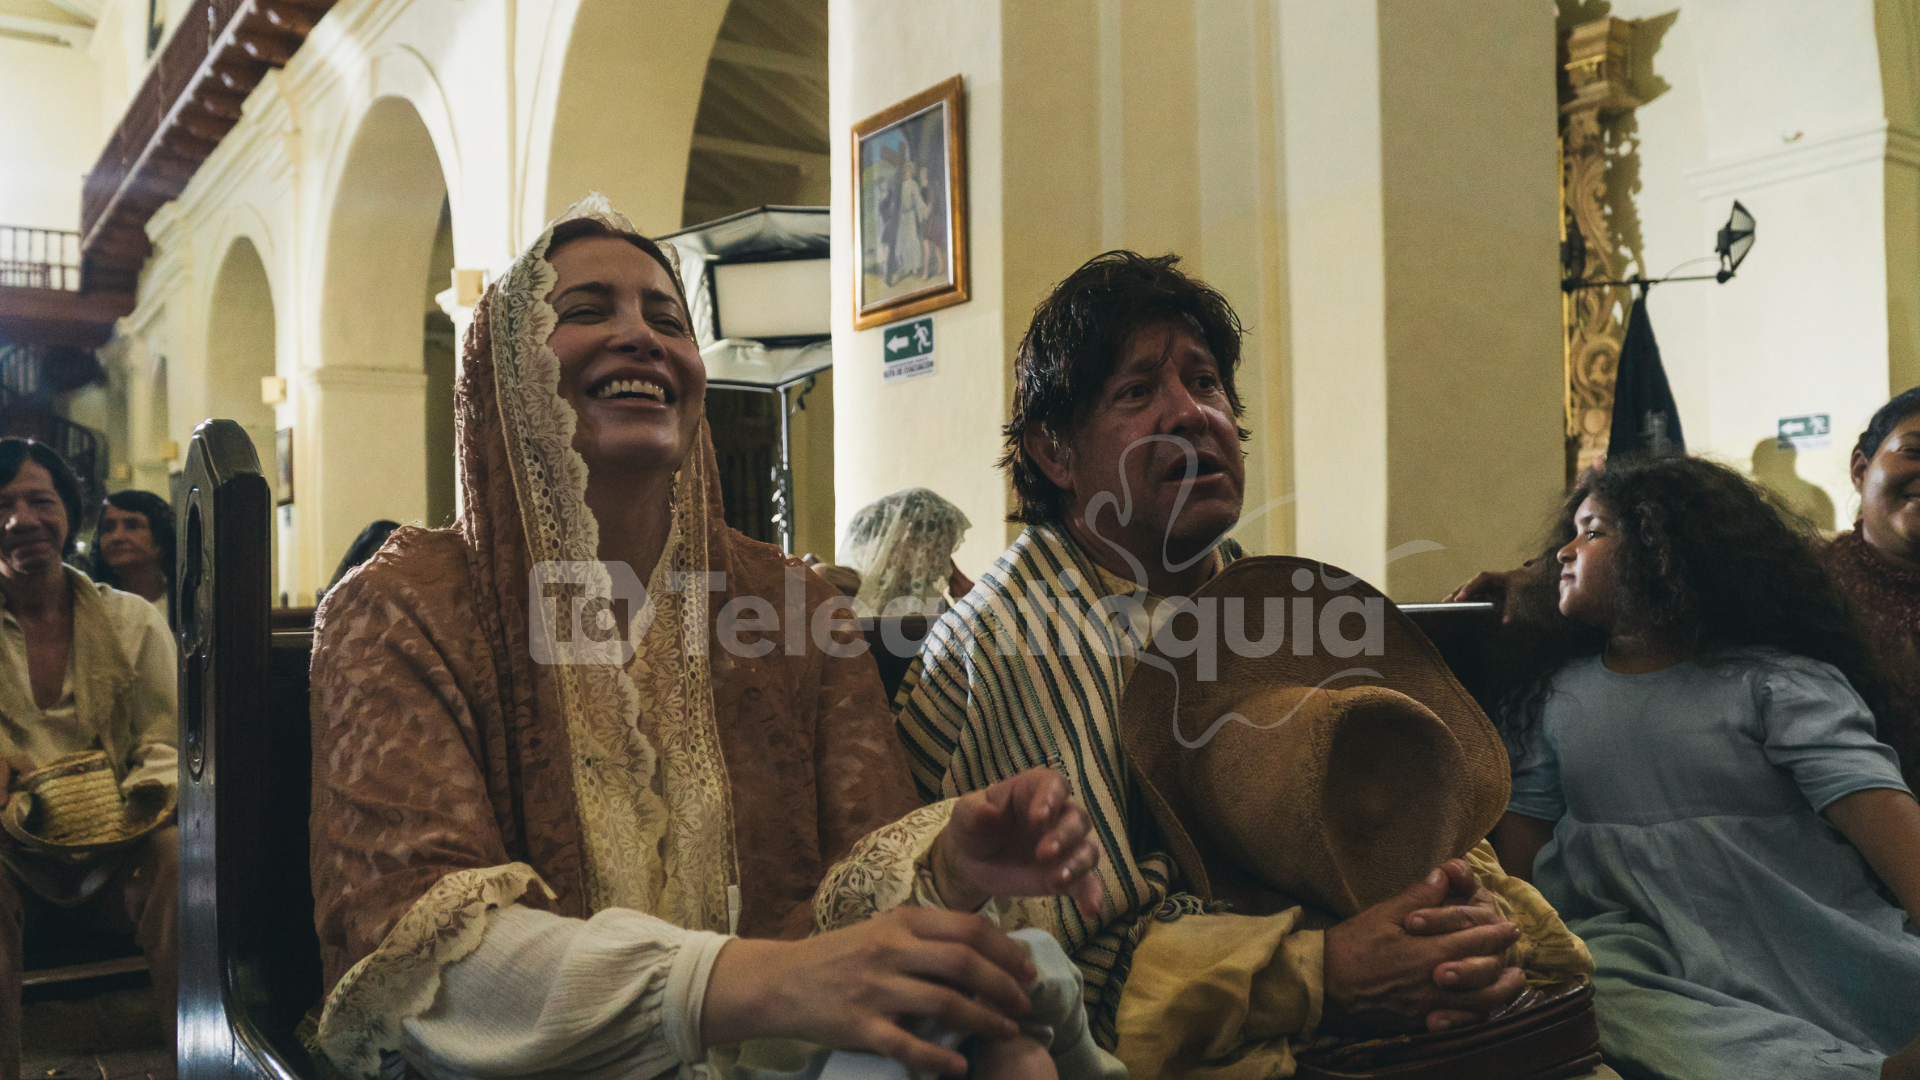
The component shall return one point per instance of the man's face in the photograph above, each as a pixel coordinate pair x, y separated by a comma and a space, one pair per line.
33, 524
1158, 444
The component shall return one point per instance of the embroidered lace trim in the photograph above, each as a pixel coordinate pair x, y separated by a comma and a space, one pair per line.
670, 673
878, 874
399, 979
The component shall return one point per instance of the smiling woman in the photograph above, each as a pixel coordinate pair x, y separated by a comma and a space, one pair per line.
631, 371
598, 833
1878, 565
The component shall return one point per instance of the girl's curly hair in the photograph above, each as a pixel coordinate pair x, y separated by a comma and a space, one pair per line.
1708, 560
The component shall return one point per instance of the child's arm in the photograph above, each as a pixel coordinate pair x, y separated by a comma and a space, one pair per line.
1517, 839
1884, 823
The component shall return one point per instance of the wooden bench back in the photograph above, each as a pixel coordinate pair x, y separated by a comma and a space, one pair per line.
249, 959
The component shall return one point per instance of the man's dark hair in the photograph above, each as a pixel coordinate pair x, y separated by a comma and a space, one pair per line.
1075, 341
1890, 416
159, 515
17, 452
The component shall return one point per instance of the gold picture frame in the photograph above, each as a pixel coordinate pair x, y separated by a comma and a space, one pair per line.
910, 207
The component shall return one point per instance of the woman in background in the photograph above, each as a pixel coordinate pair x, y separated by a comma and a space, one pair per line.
902, 546
133, 546
1878, 566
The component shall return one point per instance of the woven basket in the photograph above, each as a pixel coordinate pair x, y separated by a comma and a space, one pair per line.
74, 804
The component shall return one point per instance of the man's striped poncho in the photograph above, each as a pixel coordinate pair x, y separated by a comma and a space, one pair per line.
1026, 671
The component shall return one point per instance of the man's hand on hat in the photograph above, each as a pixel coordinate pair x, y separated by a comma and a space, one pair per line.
15, 766
1383, 975
1024, 836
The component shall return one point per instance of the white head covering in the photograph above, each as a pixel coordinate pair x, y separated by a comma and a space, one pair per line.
903, 546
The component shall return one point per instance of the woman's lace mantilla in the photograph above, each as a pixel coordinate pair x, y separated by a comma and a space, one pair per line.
654, 840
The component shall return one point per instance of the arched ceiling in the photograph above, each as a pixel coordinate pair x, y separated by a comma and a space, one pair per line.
761, 132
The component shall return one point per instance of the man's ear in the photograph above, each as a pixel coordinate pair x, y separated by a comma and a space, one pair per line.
1054, 457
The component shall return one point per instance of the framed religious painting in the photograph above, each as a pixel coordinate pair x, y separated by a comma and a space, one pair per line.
910, 207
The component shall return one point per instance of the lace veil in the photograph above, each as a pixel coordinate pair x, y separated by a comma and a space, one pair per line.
903, 546
649, 779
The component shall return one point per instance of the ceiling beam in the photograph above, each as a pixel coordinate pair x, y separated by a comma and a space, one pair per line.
753, 56
714, 144
80, 9
62, 33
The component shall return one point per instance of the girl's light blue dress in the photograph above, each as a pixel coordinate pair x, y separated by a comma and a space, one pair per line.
1734, 932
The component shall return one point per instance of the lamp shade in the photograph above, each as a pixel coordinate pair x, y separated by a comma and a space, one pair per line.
744, 364
783, 298
1735, 240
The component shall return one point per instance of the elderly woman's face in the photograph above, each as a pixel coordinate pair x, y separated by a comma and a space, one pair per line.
1889, 487
629, 365
126, 539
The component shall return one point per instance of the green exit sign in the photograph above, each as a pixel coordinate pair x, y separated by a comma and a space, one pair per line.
1810, 432
906, 350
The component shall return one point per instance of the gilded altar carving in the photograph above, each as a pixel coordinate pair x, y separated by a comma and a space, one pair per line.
1598, 87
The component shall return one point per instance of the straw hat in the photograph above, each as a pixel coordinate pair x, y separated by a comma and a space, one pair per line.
73, 807
1334, 779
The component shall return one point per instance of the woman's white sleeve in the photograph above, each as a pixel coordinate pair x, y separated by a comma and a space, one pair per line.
617, 995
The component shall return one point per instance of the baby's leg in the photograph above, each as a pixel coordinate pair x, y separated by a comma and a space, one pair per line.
1018, 1058
1058, 1021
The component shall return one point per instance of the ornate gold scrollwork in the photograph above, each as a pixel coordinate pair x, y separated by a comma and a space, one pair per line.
1598, 87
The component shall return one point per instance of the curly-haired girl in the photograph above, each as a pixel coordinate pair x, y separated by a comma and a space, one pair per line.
1697, 772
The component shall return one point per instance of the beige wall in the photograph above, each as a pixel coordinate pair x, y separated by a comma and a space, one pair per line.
50, 145
624, 121
937, 431
1473, 345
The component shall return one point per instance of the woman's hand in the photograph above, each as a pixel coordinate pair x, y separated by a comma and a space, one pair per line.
851, 988
1024, 836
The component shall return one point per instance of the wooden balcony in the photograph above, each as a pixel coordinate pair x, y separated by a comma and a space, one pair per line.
189, 101
40, 299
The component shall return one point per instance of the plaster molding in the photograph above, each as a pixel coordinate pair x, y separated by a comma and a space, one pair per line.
167, 269
141, 323
355, 380
356, 28
1903, 148
247, 154
1861, 144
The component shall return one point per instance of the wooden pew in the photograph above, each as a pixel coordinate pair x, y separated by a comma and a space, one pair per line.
249, 959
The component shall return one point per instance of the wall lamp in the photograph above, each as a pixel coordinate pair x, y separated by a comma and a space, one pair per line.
1732, 244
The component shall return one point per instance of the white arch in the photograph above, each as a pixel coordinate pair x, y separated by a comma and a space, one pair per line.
603, 120
364, 455
242, 343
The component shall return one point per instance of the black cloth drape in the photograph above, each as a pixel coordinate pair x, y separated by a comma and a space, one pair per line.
1645, 419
